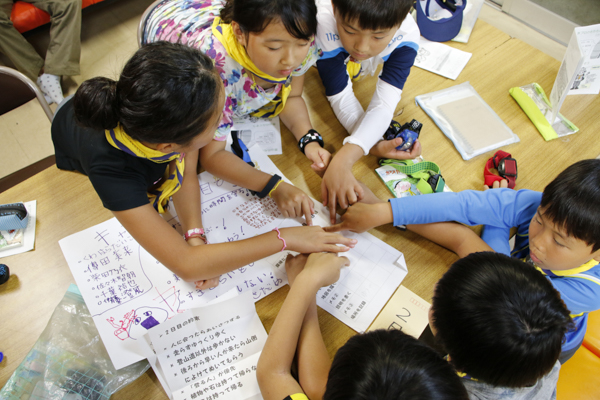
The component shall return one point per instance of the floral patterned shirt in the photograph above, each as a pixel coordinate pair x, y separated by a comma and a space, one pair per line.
189, 22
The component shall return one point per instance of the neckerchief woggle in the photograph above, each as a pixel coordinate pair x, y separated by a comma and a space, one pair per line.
169, 183
224, 34
353, 68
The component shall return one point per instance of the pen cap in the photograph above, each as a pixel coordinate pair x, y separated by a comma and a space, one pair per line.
440, 20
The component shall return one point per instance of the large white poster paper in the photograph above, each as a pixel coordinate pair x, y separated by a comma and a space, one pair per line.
129, 292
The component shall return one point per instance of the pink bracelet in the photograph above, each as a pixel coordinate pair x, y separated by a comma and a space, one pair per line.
280, 238
196, 232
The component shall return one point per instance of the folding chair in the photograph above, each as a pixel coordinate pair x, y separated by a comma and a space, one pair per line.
18, 90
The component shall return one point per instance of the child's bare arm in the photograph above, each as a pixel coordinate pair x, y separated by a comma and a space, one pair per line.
361, 217
457, 238
312, 356
295, 117
273, 373
194, 263
291, 201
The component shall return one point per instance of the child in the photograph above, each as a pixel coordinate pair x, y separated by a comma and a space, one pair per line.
134, 140
558, 231
356, 36
501, 323
376, 365
261, 49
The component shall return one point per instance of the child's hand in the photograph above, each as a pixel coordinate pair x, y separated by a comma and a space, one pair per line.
361, 217
313, 239
387, 149
497, 184
340, 186
319, 156
323, 269
293, 202
294, 265
208, 283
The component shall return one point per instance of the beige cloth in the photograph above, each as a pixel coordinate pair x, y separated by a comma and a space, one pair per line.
62, 56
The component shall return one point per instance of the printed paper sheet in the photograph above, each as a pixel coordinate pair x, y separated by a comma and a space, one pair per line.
441, 59
209, 352
129, 292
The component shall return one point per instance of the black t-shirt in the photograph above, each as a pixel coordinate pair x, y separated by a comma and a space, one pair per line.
121, 180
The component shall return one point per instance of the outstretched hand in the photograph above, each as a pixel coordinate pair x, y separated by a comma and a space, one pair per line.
293, 202
313, 239
207, 283
361, 217
497, 185
318, 156
339, 186
387, 149
322, 269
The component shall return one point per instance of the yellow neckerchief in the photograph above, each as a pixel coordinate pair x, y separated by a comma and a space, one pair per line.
297, 396
353, 69
460, 374
572, 273
170, 183
569, 272
224, 34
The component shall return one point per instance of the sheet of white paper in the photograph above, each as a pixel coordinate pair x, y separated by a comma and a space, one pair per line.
441, 59
121, 282
29, 237
587, 78
265, 132
209, 350
571, 64
376, 270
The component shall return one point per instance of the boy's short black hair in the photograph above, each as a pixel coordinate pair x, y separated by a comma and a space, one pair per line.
500, 320
391, 365
572, 201
373, 14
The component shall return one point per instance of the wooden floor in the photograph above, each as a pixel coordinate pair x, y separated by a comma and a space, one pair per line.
108, 38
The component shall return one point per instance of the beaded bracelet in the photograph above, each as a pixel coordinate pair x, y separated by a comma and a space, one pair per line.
280, 238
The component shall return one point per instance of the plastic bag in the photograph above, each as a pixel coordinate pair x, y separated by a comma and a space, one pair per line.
69, 360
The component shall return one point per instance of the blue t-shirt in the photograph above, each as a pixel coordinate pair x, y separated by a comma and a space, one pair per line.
499, 210
397, 58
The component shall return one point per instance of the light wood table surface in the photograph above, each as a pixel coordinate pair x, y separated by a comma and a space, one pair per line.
67, 203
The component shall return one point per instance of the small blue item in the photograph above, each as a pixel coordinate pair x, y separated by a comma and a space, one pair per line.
409, 138
440, 20
13, 216
4, 273
238, 147
1, 356
409, 133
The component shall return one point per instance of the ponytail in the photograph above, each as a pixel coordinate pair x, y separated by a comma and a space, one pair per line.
95, 103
